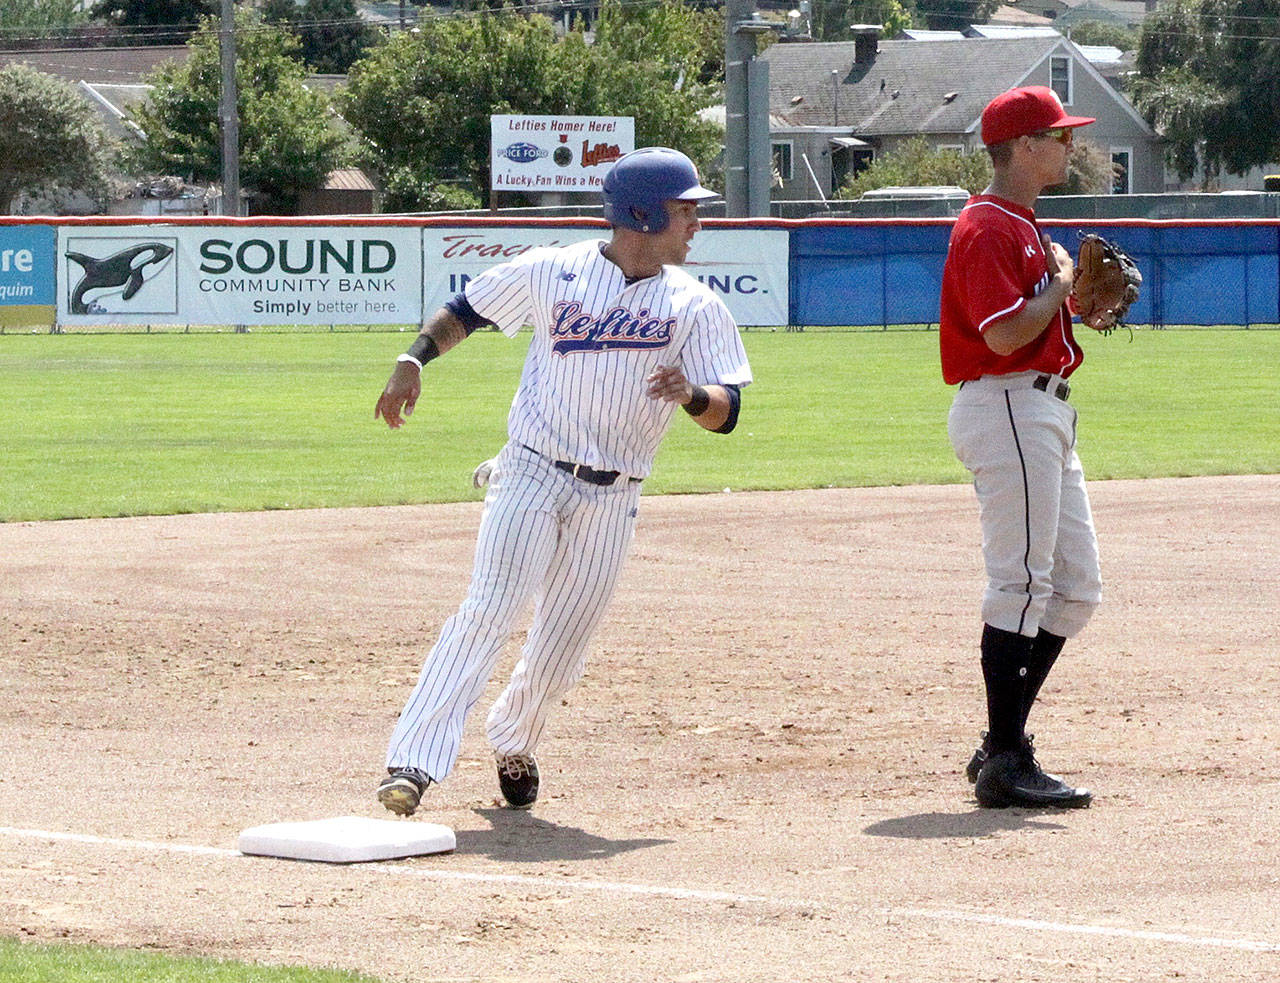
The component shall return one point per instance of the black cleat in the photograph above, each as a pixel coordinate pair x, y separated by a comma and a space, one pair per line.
1013, 778
518, 779
984, 749
402, 789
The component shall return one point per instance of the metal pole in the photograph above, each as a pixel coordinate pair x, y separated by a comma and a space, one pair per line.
760, 147
739, 49
228, 112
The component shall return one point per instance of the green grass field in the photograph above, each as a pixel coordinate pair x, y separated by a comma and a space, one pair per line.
27, 962
108, 425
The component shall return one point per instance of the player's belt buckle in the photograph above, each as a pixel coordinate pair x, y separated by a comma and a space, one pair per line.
1061, 390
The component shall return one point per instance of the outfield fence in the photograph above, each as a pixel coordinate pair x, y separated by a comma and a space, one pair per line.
369, 274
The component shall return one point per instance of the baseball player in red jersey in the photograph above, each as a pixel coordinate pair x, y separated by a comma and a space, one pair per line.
621, 337
1006, 339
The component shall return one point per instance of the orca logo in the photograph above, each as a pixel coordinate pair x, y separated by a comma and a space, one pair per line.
121, 274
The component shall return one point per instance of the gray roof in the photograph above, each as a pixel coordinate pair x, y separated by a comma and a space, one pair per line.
1013, 30
910, 87
1127, 12
106, 65
114, 103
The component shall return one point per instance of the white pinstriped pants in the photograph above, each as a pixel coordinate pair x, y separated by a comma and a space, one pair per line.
544, 535
1038, 540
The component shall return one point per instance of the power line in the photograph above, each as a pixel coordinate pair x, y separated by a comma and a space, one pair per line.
142, 33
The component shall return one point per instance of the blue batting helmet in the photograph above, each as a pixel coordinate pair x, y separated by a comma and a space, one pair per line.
639, 185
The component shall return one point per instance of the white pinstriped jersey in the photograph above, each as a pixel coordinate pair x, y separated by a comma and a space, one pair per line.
582, 392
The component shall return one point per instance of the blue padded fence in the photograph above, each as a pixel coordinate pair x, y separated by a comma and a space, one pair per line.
867, 273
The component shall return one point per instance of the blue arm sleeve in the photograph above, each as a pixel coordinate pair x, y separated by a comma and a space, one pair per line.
735, 401
464, 312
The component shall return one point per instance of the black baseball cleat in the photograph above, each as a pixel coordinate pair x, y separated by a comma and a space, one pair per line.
402, 789
1012, 778
980, 755
518, 779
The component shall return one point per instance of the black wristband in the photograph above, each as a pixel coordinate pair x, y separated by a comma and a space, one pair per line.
423, 349
698, 403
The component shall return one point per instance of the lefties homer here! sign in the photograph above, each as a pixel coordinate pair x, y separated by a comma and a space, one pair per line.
556, 153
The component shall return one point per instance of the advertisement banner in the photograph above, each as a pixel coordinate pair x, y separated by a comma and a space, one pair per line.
26, 275
172, 274
746, 268
556, 153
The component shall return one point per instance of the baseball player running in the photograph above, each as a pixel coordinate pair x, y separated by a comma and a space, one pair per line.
1005, 336
621, 337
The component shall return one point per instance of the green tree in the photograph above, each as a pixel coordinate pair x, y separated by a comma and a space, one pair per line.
50, 139
422, 101
288, 142
829, 20
331, 31
1181, 106
1102, 32
148, 13
27, 16
692, 39
956, 15
915, 163
1089, 171
649, 61
1209, 82
153, 21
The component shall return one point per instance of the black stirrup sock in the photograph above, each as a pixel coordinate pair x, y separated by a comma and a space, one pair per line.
1005, 655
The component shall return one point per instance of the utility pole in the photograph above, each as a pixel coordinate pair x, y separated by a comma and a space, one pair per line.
228, 111
747, 156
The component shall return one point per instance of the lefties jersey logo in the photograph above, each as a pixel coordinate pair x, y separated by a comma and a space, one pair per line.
573, 330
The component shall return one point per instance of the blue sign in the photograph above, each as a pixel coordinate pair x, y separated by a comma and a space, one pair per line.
27, 294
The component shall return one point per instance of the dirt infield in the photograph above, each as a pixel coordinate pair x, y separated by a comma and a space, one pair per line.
759, 778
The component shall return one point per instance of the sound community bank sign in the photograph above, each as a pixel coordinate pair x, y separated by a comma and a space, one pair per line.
239, 275
277, 274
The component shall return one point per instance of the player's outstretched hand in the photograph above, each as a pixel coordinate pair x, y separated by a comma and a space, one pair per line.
668, 383
400, 395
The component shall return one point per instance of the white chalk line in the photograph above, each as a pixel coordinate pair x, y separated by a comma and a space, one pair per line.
522, 880
689, 894
1034, 924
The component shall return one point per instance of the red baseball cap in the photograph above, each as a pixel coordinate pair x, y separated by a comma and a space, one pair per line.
1019, 112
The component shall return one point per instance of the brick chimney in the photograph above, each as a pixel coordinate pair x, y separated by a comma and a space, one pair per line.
866, 41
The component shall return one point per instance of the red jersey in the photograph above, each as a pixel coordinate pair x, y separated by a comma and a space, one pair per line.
995, 264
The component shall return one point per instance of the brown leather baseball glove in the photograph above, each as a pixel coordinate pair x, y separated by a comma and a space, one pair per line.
1106, 283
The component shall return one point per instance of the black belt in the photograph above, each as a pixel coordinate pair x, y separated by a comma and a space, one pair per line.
1061, 390
590, 475
583, 473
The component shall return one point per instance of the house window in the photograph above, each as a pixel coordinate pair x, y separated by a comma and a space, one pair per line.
782, 160
1121, 158
954, 147
1060, 77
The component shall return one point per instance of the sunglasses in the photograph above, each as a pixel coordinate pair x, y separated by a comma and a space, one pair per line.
1063, 134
